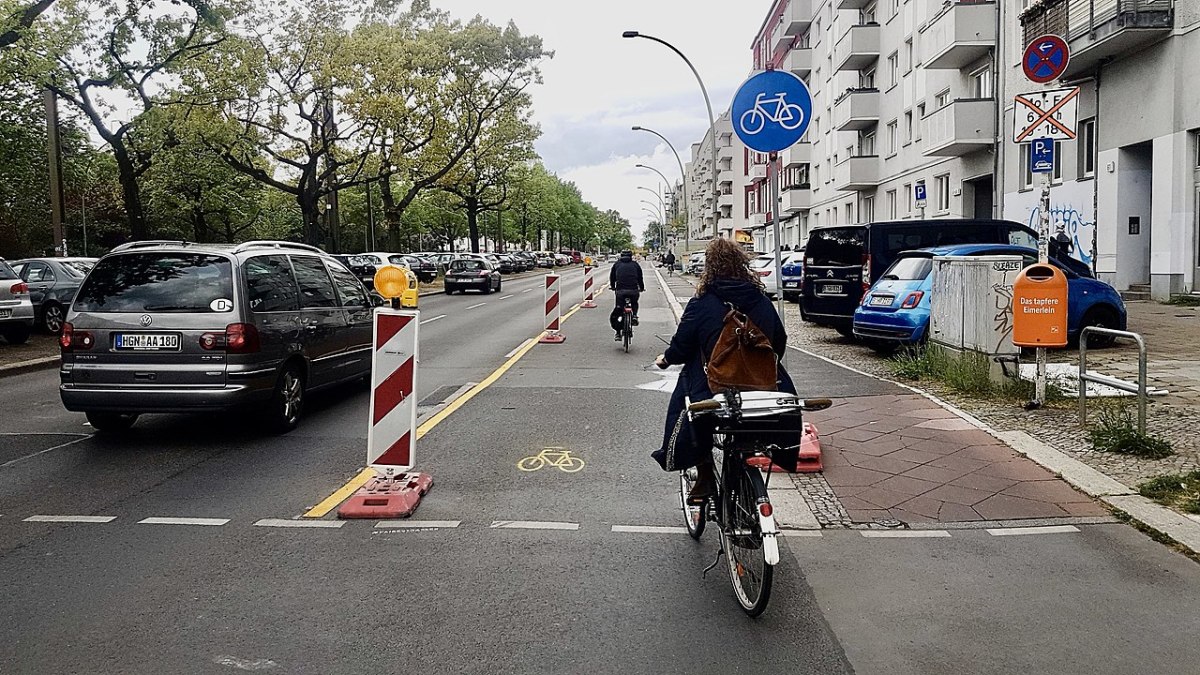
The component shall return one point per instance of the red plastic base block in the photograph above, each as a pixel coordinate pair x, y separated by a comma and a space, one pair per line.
555, 338
381, 498
588, 304
809, 460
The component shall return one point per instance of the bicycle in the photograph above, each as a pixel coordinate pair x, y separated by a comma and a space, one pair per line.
556, 457
787, 115
627, 324
745, 425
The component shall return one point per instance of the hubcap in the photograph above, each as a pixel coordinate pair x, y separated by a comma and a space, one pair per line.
292, 394
54, 319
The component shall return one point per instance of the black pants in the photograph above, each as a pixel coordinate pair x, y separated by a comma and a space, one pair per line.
615, 317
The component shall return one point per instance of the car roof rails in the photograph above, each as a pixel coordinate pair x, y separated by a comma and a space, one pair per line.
148, 243
266, 243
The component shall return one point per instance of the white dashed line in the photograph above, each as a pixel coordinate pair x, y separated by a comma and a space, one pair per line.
184, 521
532, 525
433, 319
70, 519
649, 529
282, 522
519, 348
527, 290
800, 533
505, 297
477, 306
415, 524
1048, 529
905, 534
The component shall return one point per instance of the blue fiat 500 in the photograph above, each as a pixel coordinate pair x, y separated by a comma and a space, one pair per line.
895, 311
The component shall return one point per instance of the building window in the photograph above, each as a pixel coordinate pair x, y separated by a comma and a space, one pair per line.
893, 139
891, 204
1087, 148
1024, 168
920, 116
866, 79
908, 130
866, 210
981, 83
1056, 177
849, 212
895, 7
941, 100
867, 15
866, 145
893, 69
942, 185
908, 56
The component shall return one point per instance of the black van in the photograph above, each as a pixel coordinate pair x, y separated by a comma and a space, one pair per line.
842, 261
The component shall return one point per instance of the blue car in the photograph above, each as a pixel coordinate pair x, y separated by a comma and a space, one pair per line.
895, 311
793, 275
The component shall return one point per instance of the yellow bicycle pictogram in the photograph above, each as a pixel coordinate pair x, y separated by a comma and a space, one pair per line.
560, 458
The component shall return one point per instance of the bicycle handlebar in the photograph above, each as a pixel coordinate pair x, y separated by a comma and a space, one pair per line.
808, 405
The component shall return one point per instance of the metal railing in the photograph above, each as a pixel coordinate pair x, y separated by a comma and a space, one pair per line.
1084, 377
1074, 18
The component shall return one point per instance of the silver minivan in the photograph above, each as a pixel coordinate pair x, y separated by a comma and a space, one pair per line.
163, 326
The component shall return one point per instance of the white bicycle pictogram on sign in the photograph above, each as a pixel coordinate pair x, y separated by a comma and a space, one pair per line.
787, 115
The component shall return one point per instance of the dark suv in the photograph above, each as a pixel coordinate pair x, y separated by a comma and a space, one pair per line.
178, 327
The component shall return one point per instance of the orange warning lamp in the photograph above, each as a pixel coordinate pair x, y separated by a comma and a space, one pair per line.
1040, 307
394, 282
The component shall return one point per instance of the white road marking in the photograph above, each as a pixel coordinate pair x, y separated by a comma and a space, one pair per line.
42, 452
245, 664
477, 306
532, 525
505, 297
649, 529
414, 524
282, 522
1048, 529
42, 433
905, 534
184, 521
70, 519
527, 290
433, 319
519, 348
800, 533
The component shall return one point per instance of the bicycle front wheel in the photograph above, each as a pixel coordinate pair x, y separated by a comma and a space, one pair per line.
743, 540
693, 514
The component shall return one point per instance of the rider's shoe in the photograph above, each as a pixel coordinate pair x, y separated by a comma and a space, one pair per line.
618, 337
705, 486
635, 320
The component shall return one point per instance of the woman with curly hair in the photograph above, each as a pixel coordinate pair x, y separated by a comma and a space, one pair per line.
727, 282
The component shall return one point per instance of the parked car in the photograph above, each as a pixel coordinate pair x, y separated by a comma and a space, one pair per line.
16, 310
576, 257
793, 275
507, 264
561, 259
472, 273
896, 310
179, 327
528, 260
545, 259
53, 283
764, 267
425, 269
361, 267
842, 261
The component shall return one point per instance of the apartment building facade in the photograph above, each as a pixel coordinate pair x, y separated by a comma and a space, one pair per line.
732, 174
1127, 191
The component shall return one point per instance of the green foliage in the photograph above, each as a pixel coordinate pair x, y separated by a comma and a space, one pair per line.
968, 374
1116, 431
1185, 301
1179, 491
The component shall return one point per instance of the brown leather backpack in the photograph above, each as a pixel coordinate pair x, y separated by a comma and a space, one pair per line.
743, 358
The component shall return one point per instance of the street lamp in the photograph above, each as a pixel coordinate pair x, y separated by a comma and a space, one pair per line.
712, 121
653, 217
661, 203
683, 176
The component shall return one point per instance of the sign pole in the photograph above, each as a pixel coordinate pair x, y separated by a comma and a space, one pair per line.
773, 179
1039, 399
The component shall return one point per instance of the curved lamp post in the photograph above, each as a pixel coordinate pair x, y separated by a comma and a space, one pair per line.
683, 176
712, 121
654, 217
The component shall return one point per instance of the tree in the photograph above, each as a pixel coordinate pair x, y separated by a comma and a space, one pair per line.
109, 59
16, 18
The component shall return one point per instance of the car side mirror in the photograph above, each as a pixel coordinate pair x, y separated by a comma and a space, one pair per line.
375, 300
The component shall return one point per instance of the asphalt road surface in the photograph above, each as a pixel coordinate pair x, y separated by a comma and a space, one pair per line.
510, 571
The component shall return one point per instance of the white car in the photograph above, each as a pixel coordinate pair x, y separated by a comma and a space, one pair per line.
764, 267
16, 310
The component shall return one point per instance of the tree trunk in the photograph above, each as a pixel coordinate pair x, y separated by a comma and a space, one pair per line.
306, 198
127, 175
391, 213
472, 208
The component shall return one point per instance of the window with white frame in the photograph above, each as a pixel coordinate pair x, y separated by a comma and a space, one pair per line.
891, 204
981, 83
866, 145
866, 210
941, 100
895, 7
1087, 148
867, 15
866, 78
893, 69
908, 56
908, 127
942, 186
908, 199
1056, 177
920, 116
893, 141
1024, 168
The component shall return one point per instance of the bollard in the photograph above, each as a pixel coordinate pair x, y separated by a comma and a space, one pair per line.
589, 301
552, 336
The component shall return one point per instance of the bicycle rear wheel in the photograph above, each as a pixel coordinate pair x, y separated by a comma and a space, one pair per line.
627, 331
693, 514
742, 539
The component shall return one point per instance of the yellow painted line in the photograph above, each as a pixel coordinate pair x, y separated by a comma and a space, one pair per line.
341, 494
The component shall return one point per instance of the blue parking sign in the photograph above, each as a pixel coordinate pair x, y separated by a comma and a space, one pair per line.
919, 194
1041, 155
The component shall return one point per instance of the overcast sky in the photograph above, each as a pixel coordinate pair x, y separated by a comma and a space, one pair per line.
598, 84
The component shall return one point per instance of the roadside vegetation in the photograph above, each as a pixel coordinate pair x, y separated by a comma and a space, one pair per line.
1179, 491
1116, 431
1185, 301
968, 374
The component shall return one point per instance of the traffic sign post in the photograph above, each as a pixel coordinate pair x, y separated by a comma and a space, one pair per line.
920, 197
1046, 59
1046, 114
770, 112
1041, 156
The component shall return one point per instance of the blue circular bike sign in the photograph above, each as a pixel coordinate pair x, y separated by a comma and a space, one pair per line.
772, 111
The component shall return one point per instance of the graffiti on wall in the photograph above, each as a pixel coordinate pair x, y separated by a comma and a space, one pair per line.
1069, 220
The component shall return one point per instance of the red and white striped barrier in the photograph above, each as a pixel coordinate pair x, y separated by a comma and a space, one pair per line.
589, 301
392, 433
552, 336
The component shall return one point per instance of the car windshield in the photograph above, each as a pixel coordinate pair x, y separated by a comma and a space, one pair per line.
6, 272
77, 268
836, 247
909, 269
158, 282
466, 265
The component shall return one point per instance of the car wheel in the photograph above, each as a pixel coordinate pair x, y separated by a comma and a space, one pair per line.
791, 297
487, 287
17, 335
499, 284
845, 331
449, 291
1100, 317
52, 318
111, 422
883, 347
287, 401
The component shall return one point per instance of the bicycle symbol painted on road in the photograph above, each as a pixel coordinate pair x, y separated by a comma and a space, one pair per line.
559, 458
787, 115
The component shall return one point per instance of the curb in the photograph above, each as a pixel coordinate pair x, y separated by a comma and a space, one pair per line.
44, 363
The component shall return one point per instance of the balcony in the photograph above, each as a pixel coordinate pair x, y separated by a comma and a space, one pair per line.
725, 199
856, 109
724, 152
799, 61
758, 219
797, 198
797, 17
800, 153
852, 4
758, 172
856, 173
858, 48
780, 41
1099, 29
963, 127
961, 34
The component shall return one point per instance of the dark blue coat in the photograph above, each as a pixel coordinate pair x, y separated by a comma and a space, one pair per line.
693, 342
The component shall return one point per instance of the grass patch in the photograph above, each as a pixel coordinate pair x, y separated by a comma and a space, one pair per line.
1180, 491
968, 374
1185, 301
1116, 431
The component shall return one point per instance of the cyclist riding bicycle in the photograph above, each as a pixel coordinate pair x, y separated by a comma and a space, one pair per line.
625, 278
727, 280
669, 261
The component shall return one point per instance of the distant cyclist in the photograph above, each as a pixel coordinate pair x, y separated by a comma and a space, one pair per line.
625, 279
669, 261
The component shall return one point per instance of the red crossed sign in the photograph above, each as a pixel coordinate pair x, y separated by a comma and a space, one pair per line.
1045, 114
